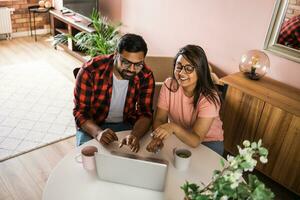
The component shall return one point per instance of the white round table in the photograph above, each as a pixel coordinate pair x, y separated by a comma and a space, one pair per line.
69, 181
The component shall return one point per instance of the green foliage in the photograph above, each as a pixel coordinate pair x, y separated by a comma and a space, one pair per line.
60, 39
228, 182
100, 42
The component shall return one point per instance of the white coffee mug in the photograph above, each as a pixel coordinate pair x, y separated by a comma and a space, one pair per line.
182, 158
87, 157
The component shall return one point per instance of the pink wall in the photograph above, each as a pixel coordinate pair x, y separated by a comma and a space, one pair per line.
111, 9
225, 29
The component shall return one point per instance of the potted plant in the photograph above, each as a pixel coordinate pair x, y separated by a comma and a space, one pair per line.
228, 182
100, 42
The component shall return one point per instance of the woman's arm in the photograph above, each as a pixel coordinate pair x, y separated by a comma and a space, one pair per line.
192, 138
161, 117
196, 136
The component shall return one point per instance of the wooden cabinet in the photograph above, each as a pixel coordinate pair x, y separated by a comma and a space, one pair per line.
68, 25
267, 110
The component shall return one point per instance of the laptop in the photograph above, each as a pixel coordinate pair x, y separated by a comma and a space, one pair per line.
133, 170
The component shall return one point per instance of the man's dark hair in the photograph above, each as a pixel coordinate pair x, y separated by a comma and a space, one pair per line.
132, 43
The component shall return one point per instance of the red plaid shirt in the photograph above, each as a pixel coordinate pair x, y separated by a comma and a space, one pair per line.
93, 91
290, 33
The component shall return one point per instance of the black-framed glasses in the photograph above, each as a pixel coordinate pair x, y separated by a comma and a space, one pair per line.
187, 68
127, 64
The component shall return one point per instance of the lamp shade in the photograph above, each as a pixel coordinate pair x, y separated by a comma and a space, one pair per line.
254, 64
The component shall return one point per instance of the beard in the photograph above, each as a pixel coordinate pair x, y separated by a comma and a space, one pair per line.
126, 74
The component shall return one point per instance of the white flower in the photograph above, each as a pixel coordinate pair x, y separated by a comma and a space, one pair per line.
263, 159
246, 143
252, 162
242, 152
250, 169
259, 143
234, 185
224, 197
233, 164
253, 145
230, 158
237, 174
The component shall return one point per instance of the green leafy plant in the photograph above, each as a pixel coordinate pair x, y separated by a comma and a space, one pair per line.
100, 42
228, 182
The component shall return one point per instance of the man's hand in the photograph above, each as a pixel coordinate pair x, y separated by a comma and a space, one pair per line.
155, 145
131, 141
108, 136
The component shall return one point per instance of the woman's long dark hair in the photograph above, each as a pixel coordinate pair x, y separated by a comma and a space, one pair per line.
195, 55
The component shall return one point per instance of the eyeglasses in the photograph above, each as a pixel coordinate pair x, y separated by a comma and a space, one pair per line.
127, 64
187, 68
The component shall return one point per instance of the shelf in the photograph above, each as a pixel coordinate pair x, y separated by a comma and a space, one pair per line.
77, 54
268, 90
61, 24
63, 31
81, 26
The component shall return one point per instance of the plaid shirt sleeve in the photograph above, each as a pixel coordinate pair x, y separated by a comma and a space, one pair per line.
144, 106
82, 96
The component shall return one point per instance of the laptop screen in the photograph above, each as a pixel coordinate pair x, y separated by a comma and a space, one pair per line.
133, 170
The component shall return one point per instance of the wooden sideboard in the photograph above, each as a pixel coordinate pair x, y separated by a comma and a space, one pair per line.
269, 110
62, 24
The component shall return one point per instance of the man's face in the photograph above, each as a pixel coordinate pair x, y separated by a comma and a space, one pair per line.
128, 64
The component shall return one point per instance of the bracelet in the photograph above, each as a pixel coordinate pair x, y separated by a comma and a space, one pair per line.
99, 135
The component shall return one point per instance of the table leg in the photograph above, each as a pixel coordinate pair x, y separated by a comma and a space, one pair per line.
49, 22
30, 22
34, 26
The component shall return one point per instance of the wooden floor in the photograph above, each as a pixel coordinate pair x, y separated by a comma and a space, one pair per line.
25, 50
24, 177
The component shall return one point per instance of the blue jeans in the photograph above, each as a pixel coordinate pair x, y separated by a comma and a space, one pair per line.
82, 137
217, 146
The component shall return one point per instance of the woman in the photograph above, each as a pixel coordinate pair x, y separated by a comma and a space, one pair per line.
190, 101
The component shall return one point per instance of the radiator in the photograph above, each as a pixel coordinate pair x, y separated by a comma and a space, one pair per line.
5, 22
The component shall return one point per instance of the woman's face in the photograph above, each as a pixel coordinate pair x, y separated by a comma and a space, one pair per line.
185, 73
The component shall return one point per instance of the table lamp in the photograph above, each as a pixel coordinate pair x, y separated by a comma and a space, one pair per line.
254, 64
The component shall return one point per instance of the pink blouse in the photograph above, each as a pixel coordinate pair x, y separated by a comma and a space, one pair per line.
182, 112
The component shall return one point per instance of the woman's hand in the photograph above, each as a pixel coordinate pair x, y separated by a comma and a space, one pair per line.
164, 131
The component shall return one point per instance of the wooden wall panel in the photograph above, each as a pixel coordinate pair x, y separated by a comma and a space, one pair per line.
267, 110
287, 167
241, 117
272, 130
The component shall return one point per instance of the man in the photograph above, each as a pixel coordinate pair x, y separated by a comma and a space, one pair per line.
115, 93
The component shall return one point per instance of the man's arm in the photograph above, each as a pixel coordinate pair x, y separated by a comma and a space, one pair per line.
91, 128
106, 136
144, 114
141, 127
83, 99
